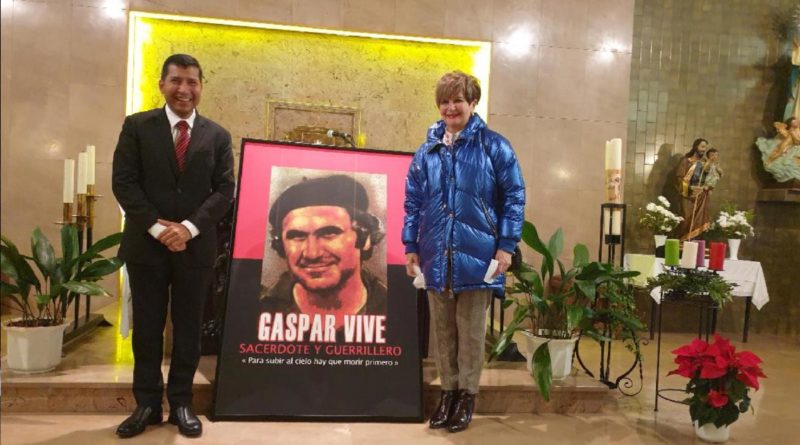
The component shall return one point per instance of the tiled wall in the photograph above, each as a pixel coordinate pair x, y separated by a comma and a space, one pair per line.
557, 94
715, 69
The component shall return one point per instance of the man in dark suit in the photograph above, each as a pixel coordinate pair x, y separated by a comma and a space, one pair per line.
173, 177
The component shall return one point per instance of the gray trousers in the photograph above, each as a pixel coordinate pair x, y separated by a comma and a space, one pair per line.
459, 329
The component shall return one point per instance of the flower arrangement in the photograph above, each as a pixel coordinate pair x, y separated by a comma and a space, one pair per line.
657, 217
719, 380
734, 224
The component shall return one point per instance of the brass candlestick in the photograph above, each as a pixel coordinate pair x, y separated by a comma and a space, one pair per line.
66, 216
90, 199
81, 216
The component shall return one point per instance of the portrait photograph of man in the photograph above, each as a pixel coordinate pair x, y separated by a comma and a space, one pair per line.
325, 252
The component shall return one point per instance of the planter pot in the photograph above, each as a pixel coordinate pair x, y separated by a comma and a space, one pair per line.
561, 351
711, 433
33, 350
733, 248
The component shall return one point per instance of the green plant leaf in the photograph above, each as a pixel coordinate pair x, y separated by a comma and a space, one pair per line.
99, 269
42, 299
574, 316
587, 288
15, 266
542, 370
101, 245
531, 237
9, 289
43, 253
85, 288
556, 243
69, 248
580, 255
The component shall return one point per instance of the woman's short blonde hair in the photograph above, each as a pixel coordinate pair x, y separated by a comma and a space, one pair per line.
454, 83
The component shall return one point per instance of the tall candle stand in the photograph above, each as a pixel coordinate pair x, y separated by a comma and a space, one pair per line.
612, 237
84, 218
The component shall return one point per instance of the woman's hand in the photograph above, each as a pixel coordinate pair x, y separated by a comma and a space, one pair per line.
503, 262
411, 260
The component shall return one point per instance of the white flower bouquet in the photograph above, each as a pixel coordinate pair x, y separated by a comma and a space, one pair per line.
734, 224
657, 218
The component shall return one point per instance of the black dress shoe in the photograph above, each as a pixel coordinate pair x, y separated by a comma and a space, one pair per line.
138, 421
188, 424
462, 413
442, 414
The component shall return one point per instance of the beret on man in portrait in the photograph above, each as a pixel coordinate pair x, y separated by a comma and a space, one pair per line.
335, 190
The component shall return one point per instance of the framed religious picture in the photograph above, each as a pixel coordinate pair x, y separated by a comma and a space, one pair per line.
320, 318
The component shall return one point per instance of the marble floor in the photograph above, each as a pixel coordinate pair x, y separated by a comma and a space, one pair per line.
625, 420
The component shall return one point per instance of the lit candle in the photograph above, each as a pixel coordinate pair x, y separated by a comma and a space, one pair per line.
671, 249
689, 258
69, 181
90, 160
82, 173
716, 259
701, 253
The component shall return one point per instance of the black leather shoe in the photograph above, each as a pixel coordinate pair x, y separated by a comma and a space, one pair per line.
188, 424
138, 421
462, 413
442, 414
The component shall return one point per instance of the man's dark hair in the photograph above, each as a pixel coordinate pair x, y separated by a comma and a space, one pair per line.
181, 60
335, 190
695, 144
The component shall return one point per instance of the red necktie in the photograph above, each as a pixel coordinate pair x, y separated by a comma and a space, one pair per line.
181, 143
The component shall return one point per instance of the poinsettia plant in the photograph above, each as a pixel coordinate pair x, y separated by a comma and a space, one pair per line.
719, 379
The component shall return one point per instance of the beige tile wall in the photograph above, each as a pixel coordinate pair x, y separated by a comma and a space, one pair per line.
557, 99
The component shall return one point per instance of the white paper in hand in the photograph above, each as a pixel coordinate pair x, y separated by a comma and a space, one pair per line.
489, 277
419, 280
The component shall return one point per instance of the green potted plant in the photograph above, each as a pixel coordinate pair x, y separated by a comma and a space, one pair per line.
41, 286
559, 308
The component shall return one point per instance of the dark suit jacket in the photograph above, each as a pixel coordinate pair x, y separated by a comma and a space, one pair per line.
148, 186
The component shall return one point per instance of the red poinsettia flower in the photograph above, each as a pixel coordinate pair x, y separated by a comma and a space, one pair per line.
717, 399
749, 370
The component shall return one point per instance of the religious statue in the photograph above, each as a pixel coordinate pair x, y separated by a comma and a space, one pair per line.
781, 154
710, 174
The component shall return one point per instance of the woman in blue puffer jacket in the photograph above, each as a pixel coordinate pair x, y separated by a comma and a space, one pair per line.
465, 204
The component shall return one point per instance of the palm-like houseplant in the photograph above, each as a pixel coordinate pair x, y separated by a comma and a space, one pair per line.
563, 306
41, 286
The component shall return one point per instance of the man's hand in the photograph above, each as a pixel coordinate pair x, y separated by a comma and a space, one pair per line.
174, 236
503, 262
411, 260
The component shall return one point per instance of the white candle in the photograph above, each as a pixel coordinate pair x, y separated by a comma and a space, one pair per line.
82, 173
612, 226
90, 160
614, 154
689, 257
616, 222
69, 181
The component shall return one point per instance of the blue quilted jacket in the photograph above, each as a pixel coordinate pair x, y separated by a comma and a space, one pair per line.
464, 203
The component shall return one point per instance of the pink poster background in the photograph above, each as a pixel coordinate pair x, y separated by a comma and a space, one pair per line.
254, 183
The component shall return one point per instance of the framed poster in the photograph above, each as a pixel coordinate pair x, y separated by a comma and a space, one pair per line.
320, 318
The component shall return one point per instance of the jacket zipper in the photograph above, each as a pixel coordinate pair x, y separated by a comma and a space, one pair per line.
488, 218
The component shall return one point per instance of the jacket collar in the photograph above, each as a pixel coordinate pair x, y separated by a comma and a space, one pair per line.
436, 131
